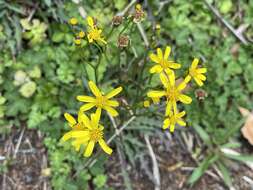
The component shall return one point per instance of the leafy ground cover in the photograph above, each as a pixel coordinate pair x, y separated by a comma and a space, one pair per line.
42, 71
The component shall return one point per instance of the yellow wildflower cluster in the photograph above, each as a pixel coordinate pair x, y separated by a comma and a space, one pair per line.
93, 33
173, 90
88, 131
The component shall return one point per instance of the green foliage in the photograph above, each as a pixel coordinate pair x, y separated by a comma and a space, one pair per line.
39, 84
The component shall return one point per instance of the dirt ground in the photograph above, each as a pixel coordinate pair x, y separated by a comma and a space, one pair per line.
26, 157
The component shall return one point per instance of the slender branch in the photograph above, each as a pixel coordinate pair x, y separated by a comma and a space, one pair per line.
236, 33
143, 34
122, 13
156, 172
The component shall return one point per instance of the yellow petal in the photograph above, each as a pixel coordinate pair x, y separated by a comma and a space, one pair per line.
164, 79
105, 147
95, 119
159, 53
181, 86
77, 143
172, 128
85, 99
195, 63
90, 21
112, 103
201, 77
114, 92
82, 118
187, 78
166, 123
181, 123
66, 136
154, 58
174, 65
181, 114
198, 81
90, 39
168, 108
89, 149
185, 99
201, 70
70, 119
155, 100
98, 112
172, 78
167, 52
111, 111
86, 107
94, 89
156, 94
174, 104
80, 134
156, 69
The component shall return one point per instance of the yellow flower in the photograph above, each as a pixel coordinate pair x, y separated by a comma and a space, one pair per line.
157, 26
94, 34
81, 34
77, 41
73, 21
162, 62
138, 7
100, 101
173, 119
196, 73
86, 132
172, 92
146, 103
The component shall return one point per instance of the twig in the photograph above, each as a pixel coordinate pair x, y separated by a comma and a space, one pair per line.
123, 169
143, 34
114, 124
156, 173
18, 144
122, 13
237, 33
121, 129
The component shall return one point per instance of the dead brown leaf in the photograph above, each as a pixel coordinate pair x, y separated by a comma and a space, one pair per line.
247, 129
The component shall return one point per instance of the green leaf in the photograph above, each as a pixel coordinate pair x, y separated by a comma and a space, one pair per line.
203, 134
200, 170
225, 174
242, 158
100, 180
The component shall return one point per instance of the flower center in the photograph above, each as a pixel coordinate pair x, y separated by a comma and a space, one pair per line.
173, 120
193, 72
96, 135
172, 94
164, 63
94, 34
101, 101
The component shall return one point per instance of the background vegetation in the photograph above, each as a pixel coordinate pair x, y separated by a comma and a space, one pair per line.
42, 71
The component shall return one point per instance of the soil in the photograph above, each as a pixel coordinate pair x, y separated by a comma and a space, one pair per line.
27, 166
23, 152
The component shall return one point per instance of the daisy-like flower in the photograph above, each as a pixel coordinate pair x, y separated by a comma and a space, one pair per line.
162, 62
73, 21
94, 34
173, 119
86, 132
172, 92
100, 100
196, 73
